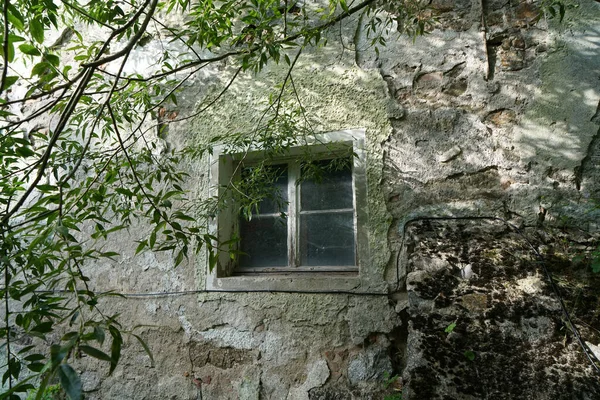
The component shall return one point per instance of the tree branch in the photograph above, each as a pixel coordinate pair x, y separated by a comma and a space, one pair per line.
86, 14
127, 49
70, 108
5, 45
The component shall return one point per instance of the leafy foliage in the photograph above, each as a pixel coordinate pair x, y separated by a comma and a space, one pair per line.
80, 159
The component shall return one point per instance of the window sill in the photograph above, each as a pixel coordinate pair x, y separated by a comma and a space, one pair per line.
295, 270
338, 281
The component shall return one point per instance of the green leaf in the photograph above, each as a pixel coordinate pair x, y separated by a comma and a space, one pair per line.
115, 348
99, 334
344, 5
29, 49
146, 348
152, 239
94, 352
470, 355
58, 353
42, 386
40, 68
9, 81
179, 257
24, 151
44, 327
450, 327
140, 246
10, 51
15, 18
70, 381
36, 30
596, 265
34, 357
35, 367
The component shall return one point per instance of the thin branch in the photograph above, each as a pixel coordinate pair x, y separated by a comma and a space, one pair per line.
171, 31
211, 103
55, 89
300, 103
5, 45
5, 260
53, 139
132, 168
89, 187
98, 115
18, 171
43, 109
285, 80
278, 99
36, 218
332, 22
174, 89
132, 42
86, 14
70, 108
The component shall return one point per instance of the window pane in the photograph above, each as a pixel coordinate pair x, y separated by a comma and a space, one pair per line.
277, 199
332, 191
327, 239
270, 183
264, 240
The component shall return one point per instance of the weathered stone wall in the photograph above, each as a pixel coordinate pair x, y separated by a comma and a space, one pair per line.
484, 321
494, 112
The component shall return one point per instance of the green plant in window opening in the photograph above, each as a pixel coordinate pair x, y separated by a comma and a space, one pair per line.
306, 218
299, 211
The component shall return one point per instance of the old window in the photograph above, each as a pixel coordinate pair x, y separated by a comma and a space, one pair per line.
313, 220
309, 221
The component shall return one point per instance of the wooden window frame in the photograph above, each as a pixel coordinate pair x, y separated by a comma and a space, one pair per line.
294, 212
223, 165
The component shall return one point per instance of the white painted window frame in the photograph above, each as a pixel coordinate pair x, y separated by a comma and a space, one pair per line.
225, 277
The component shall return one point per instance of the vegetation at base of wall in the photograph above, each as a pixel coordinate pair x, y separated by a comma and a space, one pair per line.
80, 160
52, 392
392, 383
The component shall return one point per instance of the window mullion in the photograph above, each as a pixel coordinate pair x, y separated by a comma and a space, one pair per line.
293, 198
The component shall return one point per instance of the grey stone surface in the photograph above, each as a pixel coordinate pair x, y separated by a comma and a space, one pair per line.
373, 364
317, 375
468, 120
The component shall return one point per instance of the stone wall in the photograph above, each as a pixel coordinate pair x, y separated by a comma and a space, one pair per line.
484, 320
494, 112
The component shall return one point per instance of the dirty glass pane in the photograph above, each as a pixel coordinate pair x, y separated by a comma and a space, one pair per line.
270, 183
328, 189
264, 240
327, 239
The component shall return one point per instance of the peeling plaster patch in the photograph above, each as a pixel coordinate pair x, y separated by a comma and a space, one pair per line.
316, 377
475, 302
229, 337
249, 389
368, 316
530, 285
595, 349
371, 364
557, 124
450, 155
152, 307
431, 264
502, 117
271, 345
187, 327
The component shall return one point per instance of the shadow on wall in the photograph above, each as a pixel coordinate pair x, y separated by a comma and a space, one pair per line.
523, 143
